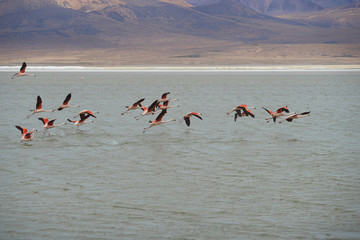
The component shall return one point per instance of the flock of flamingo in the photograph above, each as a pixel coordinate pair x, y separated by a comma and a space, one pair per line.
161, 105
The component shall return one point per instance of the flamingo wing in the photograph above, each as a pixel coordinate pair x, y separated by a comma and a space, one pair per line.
23, 130
153, 105
51, 123
187, 121
44, 120
88, 112
305, 113
38, 102
165, 95
270, 112
67, 99
196, 115
161, 115
138, 102
23, 67
283, 109
83, 116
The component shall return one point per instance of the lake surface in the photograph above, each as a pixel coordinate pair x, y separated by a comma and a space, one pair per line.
217, 179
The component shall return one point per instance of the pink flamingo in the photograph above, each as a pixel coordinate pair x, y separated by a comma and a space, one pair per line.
158, 120
39, 108
22, 72
149, 110
280, 112
134, 106
83, 117
164, 98
25, 135
296, 116
186, 117
66, 103
49, 124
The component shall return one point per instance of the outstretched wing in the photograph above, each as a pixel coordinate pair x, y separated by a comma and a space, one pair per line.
67, 99
23, 130
44, 120
283, 109
163, 112
153, 105
138, 102
196, 115
38, 102
271, 113
187, 121
51, 122
23, 67
165, 95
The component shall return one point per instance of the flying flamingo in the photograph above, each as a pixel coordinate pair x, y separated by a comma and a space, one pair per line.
83, 117
166, 106
280, 112
22, 72
49, 124
66, 103
158, 120
149, 110
244, 108
164, 98
88, 112
134, 106
39, 108
186, 118
25, 135
296, 116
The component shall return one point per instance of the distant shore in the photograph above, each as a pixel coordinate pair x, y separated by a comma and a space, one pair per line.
189, 68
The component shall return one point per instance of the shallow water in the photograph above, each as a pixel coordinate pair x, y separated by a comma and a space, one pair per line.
217, 179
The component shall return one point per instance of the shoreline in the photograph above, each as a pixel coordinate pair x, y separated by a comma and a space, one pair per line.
70, 68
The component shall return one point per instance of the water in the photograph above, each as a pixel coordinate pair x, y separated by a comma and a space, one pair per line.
217, 179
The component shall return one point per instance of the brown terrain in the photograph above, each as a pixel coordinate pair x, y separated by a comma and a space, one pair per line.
177, 32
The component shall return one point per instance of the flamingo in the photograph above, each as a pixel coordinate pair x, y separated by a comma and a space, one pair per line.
134, 106
149, 110
166, 106
83, 117
246, 111
164, 98
25, 135
278, 113
49, 124
66, 103
39, 108
296, 116
186, 117
88, 112
22, 72
158, 120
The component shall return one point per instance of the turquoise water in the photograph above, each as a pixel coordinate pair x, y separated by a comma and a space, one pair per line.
217, 179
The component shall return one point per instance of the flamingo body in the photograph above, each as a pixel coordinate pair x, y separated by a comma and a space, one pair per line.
158, 120
66, 103
190, 114
39, 108
25, 135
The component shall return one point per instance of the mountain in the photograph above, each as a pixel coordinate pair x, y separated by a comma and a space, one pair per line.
113, 32
347, 16
274, 7
332, 3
